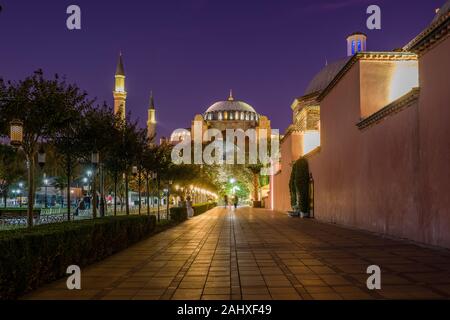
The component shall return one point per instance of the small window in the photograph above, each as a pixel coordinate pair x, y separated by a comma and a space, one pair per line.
359, 46
353, 46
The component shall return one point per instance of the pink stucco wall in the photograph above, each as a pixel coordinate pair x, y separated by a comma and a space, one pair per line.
290, 149
434, 126
394, 176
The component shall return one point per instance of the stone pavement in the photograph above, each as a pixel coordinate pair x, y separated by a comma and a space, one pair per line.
260, 254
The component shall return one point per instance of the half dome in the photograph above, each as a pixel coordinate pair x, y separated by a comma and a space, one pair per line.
322, 79
443, 11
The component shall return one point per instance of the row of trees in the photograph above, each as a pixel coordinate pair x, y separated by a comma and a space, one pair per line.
59, 119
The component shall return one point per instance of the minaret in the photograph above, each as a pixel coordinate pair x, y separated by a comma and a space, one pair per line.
119, 93
151, 122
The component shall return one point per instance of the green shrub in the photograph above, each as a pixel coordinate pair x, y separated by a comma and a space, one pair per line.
299, 185
203, 207
15, 212
33, 257
178, 214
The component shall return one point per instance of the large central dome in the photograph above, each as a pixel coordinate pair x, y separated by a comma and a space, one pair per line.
231, 110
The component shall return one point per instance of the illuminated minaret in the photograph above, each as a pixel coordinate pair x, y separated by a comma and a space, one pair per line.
119, 93
151, 122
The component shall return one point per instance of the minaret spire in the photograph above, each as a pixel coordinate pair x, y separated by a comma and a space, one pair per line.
120, 70
151, 120
152, 102
230, 98
119, 93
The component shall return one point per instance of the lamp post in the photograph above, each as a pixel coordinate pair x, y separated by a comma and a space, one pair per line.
19, 192
135, 171
168, 198
94, 160
311, 194
45, 185
14, 195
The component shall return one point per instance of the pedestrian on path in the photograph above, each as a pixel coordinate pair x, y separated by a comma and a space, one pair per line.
189, 209
225, 201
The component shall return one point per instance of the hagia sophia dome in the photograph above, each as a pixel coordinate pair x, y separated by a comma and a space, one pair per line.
231, 109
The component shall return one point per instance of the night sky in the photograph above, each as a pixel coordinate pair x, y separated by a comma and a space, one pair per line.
191, 52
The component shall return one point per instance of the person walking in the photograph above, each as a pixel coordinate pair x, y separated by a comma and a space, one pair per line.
236, 201
189, 209
225, 201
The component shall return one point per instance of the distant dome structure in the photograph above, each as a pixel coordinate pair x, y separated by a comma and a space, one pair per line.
231, 109
444, 10
322, 79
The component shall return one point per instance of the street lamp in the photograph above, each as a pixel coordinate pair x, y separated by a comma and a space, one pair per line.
95, 159
14, 195
232, 180
20, 197
45, 185
16, 133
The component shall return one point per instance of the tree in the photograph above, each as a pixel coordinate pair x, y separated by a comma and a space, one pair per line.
98, 134
299, 185
67, 137
255, 169
10, 169
41, 105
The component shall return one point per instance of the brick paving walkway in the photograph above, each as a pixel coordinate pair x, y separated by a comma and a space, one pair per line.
260, 254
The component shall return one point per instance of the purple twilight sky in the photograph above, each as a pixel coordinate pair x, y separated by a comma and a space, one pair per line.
191, 52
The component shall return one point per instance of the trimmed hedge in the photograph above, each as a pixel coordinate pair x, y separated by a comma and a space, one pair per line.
16, 212
203, 207
33, 257
178, 214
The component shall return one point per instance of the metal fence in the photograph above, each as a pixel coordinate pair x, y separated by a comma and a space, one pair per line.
56, 215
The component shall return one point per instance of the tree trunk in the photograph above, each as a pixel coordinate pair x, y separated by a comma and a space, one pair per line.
139, 191
94, 194
30, 165
68, 172
159, 198
255, 186
102, 192
168, 204
115, 194
148, 194
5, 197
127, 205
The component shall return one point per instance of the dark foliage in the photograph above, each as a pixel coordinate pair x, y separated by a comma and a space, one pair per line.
33, 257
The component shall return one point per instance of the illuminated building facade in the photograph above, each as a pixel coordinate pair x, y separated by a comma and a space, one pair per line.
374, 129
223, 115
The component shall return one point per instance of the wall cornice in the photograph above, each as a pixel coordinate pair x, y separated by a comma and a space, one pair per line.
392, 108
